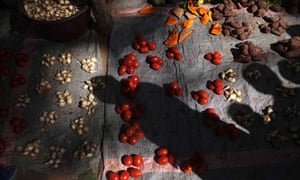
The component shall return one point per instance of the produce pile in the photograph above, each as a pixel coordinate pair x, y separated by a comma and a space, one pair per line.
182, 22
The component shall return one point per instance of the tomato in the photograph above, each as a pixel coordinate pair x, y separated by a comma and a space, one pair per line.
179, 92
155, 66
210, 85
135, 124
136, 46
160, 61
203, 94
217, 61
151, 45
170, 55
162, 151
112, 175
144, 50
122, 70
187, 167
123, 138
174, 85
127, 160
174, 50
132, 140
210, 110
218, 91
127, 62
218, 83
139, 134
143, 43
127, 115
138, 160
213, 116
162, 160
195, 95
178, 56
124, 175
130, 56
130, 69
139, 37
217, 55
203, 101
134, 172
135, 78
129, 131
208, 56
125, 107
136, 64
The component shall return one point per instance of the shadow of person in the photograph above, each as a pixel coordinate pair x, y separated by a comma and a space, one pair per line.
293, 30
269, 84
167, 122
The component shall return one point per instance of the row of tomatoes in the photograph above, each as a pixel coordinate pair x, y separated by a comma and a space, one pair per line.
7, 59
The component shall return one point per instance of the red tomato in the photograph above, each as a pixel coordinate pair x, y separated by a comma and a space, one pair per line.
162, 160
174, 50
210, 110
162, 151
143, 43
170, 55
218, 83
174, 85
144, 49
208, 56
203, 101
217, 55
128, 62
210, 85
218, 91
155, 66
203, 94
139, 134
138, 160
135, 78
179, 92
132, 140
217, 61
122, 70
212, 116
151, 45
136, 124
178, 56
130, 56
123, 138
129, 131
112, 175
136, 46
130, 69
124, 175
136, 64
127, 160
187, 167
134, 172
127, 115
125, 107
195, 95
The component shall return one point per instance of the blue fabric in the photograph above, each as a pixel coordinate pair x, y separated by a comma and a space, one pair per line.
8, 173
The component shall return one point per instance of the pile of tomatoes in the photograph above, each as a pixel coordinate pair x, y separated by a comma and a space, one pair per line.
128, 64
173, 53
142, 45
174, 89
214, 58
133, 163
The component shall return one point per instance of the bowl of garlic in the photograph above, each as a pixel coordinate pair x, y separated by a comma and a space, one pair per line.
56, 20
